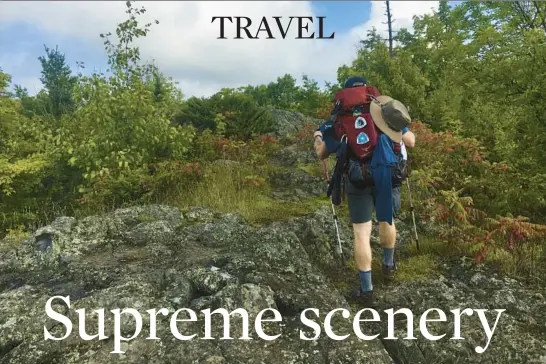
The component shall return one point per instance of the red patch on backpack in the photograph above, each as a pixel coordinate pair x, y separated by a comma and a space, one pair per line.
354, 121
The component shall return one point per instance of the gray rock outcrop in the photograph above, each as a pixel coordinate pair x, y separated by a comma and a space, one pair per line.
159, 257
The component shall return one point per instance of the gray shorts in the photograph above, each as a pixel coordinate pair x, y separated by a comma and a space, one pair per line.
362, 201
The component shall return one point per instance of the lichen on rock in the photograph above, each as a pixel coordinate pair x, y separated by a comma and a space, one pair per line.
148, 257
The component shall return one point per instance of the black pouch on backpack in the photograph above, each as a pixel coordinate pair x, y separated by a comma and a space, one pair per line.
359, 175
400, 171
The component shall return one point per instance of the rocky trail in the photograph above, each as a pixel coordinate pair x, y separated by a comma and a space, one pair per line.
147, 257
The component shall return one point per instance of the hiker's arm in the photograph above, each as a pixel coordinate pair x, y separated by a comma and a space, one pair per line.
409, 139
320, 146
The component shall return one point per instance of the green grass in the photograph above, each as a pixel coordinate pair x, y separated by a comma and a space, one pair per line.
13, 239
316, 169
528, 262
228, 189
413, 266
431, 246
312, 169
418, 267
145, 218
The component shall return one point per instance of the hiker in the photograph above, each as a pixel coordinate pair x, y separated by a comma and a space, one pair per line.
369, 135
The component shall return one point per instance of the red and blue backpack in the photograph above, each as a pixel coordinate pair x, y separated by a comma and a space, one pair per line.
352, 121
357, 135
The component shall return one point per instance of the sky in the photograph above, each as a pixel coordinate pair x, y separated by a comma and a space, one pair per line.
184, 44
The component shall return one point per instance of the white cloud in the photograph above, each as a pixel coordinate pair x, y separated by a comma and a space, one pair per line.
402, 12
185, 47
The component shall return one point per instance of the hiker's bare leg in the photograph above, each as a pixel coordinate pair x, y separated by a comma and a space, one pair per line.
387, 235
360, 209
363, 251
387, 238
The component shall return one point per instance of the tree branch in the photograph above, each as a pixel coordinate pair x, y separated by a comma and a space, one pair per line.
521, 12
543, 22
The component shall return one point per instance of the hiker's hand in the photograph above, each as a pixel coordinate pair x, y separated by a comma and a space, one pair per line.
320, 146
409, 139
317, 136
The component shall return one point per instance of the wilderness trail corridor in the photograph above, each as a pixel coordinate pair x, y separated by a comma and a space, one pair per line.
158, 256
133, 205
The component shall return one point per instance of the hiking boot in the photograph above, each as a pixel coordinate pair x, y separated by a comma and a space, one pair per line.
367, 299
388, 272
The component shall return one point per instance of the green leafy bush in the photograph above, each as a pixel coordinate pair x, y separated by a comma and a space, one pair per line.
229, 113
469, 201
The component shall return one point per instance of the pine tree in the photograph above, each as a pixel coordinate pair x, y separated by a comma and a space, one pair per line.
58, 80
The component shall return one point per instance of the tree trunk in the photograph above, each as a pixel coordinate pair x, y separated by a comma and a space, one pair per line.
389, 22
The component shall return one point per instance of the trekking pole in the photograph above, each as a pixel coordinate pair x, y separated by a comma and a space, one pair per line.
333, 210
413, 215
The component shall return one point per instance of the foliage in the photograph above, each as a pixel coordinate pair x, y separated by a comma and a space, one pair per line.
14, 238
285, 94
25, 159
123, 122
475, 70
445, 161
238, 188
106, 134
229, 113
470, 200
59, 82
473, 74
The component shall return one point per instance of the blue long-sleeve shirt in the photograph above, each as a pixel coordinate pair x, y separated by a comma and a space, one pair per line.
382, 161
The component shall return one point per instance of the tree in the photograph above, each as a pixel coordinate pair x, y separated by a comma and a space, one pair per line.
123, 58
58, 80
283, 92
479, 66
5, 81
311, 99
443, 13
23, 157
389, 23
124, 121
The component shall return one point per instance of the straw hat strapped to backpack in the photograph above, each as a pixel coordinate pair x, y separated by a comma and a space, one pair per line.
390, 116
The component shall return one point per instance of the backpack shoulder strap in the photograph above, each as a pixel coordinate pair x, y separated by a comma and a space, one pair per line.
335, 110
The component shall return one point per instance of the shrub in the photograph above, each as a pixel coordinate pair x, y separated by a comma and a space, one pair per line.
446, 161
466, 197
229, 113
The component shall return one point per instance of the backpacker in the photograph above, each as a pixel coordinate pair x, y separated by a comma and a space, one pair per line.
357, 135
